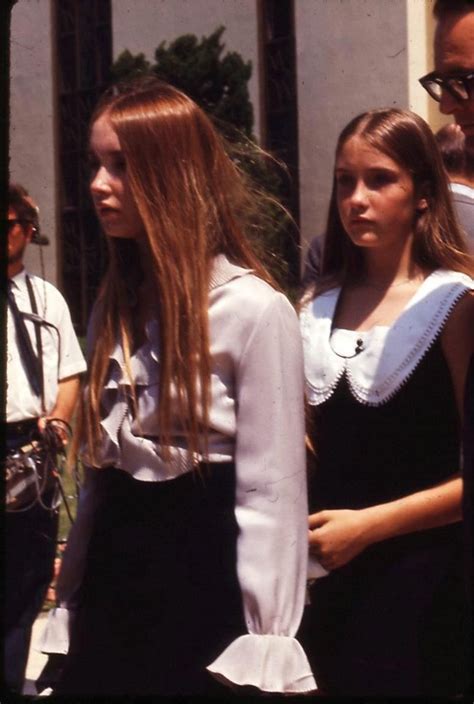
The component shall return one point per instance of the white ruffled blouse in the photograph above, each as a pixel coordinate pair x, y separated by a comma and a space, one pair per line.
379, 361
257, 420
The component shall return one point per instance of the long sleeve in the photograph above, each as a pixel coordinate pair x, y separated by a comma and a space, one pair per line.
55, 638
271, 508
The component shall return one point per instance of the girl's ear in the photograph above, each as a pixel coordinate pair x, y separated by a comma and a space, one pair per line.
422, 205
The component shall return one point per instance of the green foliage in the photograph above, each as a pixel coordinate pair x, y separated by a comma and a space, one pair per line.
218, 82
127, 67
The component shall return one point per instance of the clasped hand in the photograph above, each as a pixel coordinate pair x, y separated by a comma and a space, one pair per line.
337, 536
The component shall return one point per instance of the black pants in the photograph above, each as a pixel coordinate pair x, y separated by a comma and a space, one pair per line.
29, 549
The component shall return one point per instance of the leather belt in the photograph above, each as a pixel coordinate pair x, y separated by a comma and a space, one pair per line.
21, 427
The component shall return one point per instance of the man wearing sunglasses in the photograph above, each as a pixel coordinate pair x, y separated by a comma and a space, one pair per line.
44, 362
451, 84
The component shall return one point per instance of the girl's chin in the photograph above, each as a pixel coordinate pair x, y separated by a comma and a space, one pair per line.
366, 239
119, 234
116, 236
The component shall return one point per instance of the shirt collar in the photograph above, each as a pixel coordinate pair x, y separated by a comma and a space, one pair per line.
461, 189
19, 280
224, 271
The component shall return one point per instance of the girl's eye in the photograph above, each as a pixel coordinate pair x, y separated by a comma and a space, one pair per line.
120, 164
381, 178
344, 180
92, 164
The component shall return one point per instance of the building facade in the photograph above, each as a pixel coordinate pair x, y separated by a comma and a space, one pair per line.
316, 64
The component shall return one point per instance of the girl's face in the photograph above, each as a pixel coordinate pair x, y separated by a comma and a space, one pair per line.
110, 189
375, 196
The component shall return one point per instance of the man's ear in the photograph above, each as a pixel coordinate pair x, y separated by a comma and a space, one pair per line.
28, 229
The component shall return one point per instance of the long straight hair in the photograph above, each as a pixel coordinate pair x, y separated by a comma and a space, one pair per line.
438, 241
194, 204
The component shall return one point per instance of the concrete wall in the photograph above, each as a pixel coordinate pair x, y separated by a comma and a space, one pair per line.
141, 25
32, 142
351, 56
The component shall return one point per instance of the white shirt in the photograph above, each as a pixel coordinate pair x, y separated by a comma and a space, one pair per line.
62, 356
256, 419
461, 189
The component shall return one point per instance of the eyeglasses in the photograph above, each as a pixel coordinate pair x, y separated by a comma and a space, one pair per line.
11, 222
460, 86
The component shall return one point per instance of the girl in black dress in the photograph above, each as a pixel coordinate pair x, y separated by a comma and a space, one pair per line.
387, 334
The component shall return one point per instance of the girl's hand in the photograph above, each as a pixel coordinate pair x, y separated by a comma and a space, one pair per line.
337, 536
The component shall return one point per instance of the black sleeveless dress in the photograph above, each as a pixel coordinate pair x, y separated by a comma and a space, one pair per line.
390, 621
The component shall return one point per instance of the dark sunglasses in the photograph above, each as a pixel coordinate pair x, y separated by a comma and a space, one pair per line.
459, 85
11, 222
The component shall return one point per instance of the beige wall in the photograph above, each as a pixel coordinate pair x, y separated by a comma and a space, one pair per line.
351, 56
141, 25
32, 146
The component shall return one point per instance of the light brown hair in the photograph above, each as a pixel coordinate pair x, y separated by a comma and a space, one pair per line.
194, 204
438, 241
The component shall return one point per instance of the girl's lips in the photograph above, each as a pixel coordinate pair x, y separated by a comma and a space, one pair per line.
106, 210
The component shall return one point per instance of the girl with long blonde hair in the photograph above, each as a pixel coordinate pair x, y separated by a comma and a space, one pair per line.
388, 332
186, 567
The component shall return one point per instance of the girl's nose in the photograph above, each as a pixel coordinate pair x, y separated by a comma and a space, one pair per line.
359, 195
99, 182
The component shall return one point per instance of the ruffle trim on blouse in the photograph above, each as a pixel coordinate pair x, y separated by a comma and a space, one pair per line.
55, 636
390, 354
270, 662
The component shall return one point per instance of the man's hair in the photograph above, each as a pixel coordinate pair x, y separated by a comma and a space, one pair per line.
444, 8
22, 203
457, 158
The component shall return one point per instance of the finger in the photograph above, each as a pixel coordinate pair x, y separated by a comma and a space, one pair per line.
315, 520
313, 539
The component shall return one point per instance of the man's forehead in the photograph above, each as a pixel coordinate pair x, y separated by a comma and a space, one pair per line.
454, 43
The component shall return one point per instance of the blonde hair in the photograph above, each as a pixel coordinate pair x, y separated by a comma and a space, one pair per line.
438, 241
194, 204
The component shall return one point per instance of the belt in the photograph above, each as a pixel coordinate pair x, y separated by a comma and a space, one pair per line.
21, 427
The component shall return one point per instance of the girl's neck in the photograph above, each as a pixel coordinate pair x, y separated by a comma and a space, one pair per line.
384, 269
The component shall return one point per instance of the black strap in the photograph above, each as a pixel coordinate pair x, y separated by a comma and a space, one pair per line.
27, 353
39, 343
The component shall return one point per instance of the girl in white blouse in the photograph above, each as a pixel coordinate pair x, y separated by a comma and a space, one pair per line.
186, 567
387, 337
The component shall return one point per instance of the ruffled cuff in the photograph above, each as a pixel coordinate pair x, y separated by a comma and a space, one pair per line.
55, 636
271, 663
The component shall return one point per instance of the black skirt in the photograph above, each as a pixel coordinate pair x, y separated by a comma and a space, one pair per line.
160, 598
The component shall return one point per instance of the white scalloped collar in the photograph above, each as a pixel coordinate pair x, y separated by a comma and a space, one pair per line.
390, 354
